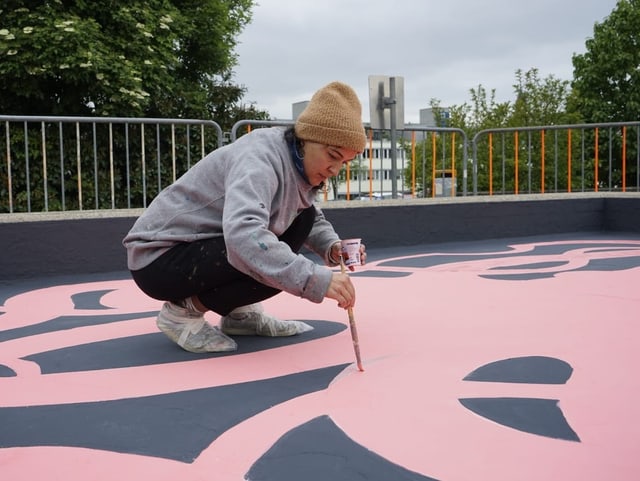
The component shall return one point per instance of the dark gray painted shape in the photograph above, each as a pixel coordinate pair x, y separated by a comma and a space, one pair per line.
610, 265
423, 262
386, 274
535, 416
533, 265
519, 277
320, 451
16, 287
90, 300
156, 348
6, 371
528, 369
594, 265
541, 250
69, 322
175, 426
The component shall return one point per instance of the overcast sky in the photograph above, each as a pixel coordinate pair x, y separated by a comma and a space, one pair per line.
441, 48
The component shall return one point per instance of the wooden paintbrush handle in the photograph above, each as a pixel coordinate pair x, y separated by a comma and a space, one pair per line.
352, 326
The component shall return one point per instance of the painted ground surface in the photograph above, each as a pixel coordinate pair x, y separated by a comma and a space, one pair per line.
483, 361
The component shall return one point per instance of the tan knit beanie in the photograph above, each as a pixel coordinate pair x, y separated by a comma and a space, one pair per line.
333, 117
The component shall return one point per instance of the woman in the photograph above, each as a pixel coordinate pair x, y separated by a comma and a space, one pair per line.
227, 234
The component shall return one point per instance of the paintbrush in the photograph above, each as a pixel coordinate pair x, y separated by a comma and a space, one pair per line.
352, 326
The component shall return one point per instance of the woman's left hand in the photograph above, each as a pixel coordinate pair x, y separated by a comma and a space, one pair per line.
336, 252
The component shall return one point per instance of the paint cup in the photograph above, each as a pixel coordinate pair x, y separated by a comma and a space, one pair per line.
351, 252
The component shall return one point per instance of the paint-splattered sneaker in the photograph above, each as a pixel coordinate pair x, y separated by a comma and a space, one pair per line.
191, 331
251, 320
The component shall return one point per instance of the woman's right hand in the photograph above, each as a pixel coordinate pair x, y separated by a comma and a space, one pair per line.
342, 290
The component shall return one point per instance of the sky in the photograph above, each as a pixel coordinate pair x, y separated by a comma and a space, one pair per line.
440, 48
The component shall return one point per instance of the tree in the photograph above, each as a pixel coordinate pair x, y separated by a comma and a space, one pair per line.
130, 58
606, 87
606, 83
540, 101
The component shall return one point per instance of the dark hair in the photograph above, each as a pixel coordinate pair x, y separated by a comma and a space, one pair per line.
291, 137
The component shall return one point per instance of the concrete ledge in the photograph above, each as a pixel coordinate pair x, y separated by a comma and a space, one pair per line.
60, 243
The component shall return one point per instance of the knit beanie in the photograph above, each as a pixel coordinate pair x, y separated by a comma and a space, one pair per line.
333, 117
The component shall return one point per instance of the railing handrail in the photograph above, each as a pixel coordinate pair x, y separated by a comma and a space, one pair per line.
263, 123
114, 120
537, 128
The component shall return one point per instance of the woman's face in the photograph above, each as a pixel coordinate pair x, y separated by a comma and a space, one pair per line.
324, 161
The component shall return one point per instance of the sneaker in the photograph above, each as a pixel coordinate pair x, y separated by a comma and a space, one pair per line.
252, 321
191, 331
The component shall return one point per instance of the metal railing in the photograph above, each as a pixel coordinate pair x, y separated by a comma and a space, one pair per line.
557, 158
77, 163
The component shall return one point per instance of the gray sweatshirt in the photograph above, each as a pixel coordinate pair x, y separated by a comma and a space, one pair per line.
249, 192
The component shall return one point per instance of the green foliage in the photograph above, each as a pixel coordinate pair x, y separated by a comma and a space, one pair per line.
486, 112
606, 83
539, 101
133, 58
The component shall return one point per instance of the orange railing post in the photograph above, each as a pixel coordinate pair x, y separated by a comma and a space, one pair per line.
453, 165
433, 164
542, 146
517, 153
370, 164
413, 164
596, 161
624, 158
348, 180
490, 163
569, 160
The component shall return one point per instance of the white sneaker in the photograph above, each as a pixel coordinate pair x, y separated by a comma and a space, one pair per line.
252, 321
191, 331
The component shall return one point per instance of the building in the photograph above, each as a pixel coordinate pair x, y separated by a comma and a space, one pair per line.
370, 174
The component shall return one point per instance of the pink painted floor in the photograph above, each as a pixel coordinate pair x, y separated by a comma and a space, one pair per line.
499, 360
